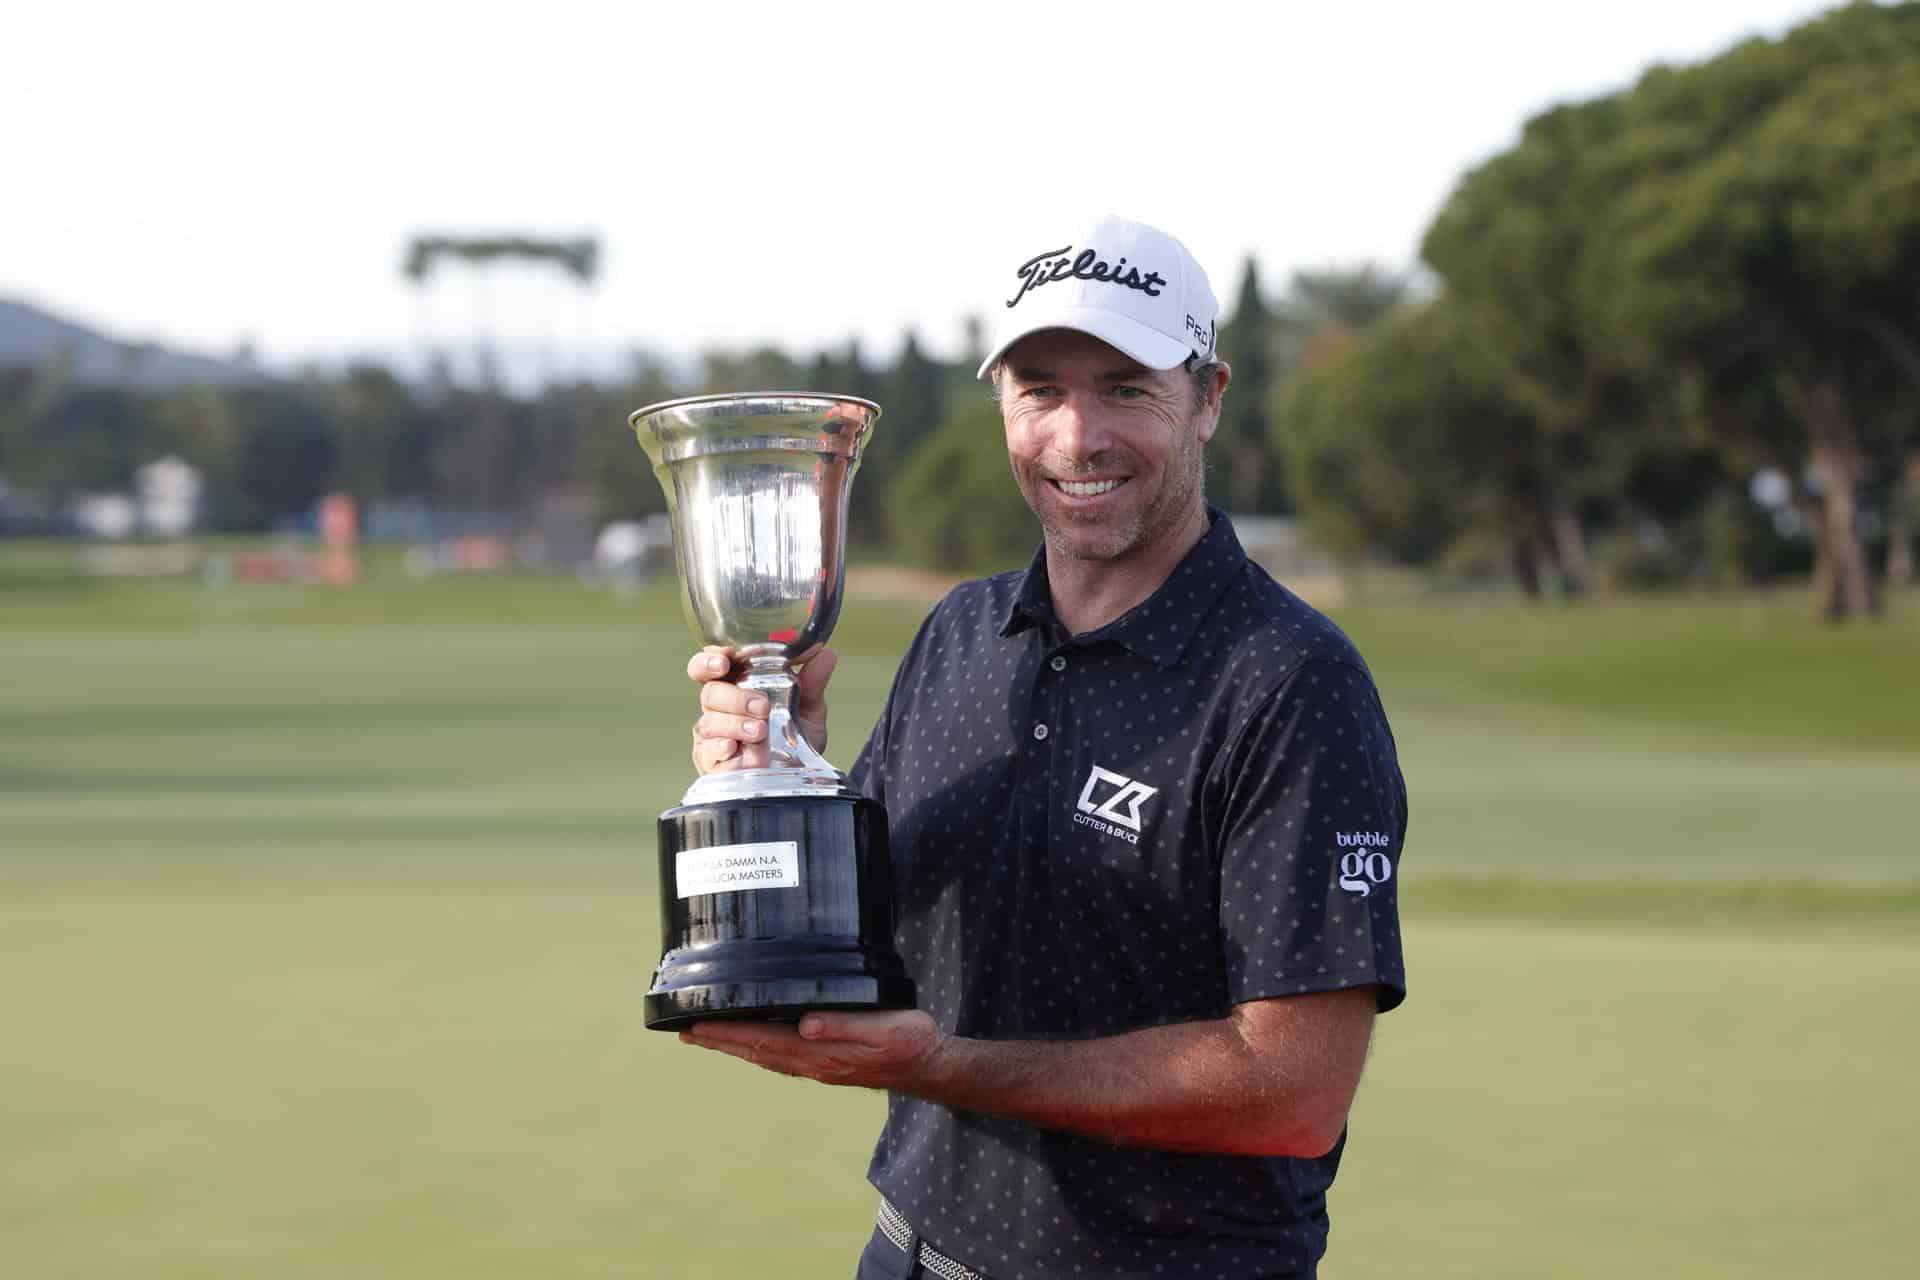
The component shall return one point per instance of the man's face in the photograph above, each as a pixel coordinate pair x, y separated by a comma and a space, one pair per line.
1108, 453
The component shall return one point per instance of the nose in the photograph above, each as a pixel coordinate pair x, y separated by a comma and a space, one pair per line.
1079, 426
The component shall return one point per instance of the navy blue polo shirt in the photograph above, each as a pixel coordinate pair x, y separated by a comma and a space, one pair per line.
1194, 806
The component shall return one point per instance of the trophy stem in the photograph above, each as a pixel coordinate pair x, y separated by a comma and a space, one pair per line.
772, 676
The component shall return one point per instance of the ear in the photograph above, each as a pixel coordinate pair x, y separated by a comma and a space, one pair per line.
1210, 411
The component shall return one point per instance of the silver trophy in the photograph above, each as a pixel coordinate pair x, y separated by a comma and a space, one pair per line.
775, 887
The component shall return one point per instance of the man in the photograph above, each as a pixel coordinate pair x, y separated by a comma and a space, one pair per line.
1146, 817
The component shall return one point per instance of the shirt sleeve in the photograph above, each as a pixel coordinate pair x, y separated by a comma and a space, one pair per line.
1314, 818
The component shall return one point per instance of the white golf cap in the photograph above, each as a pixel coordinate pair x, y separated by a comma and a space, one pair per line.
1133, 287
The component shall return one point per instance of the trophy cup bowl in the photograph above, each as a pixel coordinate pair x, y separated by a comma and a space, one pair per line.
775, 886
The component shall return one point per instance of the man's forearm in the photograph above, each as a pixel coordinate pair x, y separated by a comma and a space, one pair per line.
1196, 1086
1275, 1077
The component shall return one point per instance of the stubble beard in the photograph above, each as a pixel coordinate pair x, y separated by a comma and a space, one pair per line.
1115, 538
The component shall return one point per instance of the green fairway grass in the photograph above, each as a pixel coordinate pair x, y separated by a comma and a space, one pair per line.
325, 915
1602, 1101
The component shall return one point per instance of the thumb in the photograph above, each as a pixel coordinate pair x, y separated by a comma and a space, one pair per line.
810, 682
828, 1026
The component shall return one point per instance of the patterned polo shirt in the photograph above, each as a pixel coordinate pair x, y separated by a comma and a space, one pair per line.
1192, 807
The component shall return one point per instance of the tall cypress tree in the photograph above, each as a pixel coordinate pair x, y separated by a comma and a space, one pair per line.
1243, 443
913, 397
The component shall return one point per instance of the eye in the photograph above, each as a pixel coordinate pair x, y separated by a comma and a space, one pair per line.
1042, 392
1125, 392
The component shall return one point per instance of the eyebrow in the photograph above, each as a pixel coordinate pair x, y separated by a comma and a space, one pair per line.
1126, 373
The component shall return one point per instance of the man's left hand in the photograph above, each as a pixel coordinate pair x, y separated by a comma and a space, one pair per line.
892, 1050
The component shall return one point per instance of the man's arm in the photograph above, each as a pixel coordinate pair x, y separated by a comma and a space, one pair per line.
1274, 1077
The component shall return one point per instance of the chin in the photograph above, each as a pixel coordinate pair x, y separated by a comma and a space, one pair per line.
1088, 541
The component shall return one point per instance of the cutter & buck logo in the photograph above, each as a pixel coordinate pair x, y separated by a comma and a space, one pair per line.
1118, 813
1365, 864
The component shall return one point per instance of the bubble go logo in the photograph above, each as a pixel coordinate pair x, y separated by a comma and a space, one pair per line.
1366, 865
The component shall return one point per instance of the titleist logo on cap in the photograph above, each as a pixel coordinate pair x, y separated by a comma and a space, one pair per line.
1131, 286
1054, 264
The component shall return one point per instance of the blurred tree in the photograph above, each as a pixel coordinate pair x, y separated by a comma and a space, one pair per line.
286, 453
1244, 442
1759, 251
1507, 243
821, 373
955, 505
1342, 297
912, 398
1324, 308
1319, 317
973, 346
473, 464
560, 420
32, 401
846, 374
104, 433
202, 426
616, 466
1405, 440
382, 438
1903, 514
914, 395
1710, 274
761, 369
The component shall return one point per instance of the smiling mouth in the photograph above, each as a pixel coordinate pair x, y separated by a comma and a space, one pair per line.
1087, 488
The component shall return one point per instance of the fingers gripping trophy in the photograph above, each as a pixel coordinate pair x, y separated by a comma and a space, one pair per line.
775, 890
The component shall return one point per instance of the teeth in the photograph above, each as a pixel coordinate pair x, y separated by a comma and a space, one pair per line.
1087, 489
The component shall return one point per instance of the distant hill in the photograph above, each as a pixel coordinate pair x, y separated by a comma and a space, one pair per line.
30, 336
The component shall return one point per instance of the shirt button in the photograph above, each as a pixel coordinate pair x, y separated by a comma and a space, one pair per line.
1059, 663
1039, 733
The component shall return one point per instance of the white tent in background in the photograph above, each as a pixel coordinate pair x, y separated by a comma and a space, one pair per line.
167, 491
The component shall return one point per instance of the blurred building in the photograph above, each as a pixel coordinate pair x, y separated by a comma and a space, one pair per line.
167, 493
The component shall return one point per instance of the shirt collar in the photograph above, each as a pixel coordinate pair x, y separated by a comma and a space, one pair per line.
1159, 627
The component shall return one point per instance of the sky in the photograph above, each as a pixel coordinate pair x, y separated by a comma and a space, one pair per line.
211, 175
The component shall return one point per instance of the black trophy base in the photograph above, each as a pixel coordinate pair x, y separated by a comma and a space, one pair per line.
771, 907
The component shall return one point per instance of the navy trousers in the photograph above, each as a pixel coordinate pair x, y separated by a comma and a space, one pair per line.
882, 1259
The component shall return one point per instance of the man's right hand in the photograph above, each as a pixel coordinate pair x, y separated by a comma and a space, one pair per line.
731, 732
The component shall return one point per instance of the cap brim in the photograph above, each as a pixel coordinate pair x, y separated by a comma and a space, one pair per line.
1137, 341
